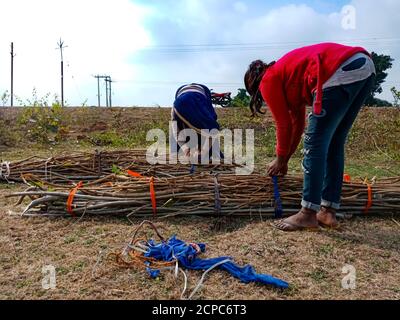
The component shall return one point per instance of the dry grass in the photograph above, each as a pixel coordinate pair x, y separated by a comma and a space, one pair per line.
310, 262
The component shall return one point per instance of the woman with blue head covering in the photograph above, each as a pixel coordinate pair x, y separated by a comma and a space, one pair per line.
193, 109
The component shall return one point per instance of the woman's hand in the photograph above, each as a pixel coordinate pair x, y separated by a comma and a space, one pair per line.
278, 167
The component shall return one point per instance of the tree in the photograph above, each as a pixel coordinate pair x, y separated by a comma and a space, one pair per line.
396, 96
382, 63
242, 99
4, 97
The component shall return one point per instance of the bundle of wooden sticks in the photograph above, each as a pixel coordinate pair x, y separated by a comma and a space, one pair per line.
204, 194
93, 166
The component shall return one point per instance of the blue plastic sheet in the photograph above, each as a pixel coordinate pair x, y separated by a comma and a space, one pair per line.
187, 256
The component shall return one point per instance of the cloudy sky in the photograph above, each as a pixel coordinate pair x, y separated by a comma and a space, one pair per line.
150, 47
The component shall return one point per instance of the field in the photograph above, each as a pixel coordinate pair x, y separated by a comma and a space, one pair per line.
311, 262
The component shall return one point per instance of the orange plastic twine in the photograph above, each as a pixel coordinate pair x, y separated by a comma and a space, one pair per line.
370, 201
135, 174
71, 197
152, 189
153, 196
347, 178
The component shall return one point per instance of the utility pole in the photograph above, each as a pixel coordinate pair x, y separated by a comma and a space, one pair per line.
98, 89
108, 81
61, 47
12, 73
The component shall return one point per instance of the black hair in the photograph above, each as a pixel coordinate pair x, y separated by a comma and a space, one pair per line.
252, 81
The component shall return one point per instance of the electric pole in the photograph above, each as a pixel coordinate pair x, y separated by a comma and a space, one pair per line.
108, 81
12, 73
110, 93
98, 89
61, 47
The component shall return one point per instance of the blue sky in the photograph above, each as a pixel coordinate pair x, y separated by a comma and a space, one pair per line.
324, 6
318, 5
151, 47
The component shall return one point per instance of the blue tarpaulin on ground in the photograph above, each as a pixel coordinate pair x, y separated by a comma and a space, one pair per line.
187, 255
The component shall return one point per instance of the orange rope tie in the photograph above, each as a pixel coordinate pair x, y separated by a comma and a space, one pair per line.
135, 174
71, 197
370, 201
135, 258
347, 178
152, 189
153, 196
139, 261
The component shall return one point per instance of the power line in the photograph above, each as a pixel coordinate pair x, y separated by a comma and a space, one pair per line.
269, 43
231, 47
156, 84
174, 82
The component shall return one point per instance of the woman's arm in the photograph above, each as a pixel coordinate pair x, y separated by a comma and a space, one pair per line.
273, 93
280, 165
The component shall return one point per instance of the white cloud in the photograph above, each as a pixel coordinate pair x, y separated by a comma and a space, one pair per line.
104, 37
100, 36
283, 28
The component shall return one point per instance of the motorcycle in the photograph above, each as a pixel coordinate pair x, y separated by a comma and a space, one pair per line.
221, 99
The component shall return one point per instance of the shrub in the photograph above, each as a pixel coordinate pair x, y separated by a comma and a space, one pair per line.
43, 123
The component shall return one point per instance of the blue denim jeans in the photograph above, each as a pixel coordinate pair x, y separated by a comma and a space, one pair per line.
324, 143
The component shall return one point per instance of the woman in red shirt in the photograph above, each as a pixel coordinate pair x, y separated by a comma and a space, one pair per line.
335, 80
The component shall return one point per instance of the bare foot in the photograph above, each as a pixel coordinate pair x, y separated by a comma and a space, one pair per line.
306, 219
327, 218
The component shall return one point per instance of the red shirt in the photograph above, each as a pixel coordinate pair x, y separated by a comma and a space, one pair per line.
288, 86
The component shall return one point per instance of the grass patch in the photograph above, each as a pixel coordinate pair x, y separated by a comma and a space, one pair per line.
372, 148
318, 275
70, 239
326, 249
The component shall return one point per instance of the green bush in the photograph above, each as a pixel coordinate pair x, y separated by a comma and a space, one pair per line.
4, 97
43, 123
107, 139
241, 100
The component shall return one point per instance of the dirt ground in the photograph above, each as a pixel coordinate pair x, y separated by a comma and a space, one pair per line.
311, 262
